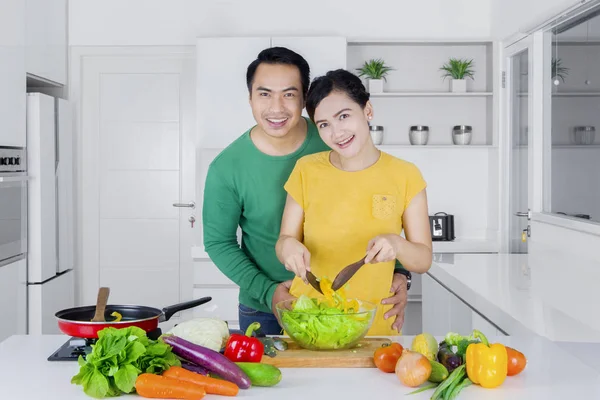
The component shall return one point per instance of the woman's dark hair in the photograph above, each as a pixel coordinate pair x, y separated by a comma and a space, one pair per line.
280, 55
339, 80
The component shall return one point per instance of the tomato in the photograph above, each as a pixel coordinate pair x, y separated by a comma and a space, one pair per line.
386, 357
516, 361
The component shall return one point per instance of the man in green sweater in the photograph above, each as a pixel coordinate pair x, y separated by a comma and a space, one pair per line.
244, 187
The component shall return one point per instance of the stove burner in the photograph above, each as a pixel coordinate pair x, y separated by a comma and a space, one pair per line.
75, 347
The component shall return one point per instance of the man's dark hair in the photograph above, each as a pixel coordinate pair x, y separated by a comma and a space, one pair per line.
280, 55
339, 80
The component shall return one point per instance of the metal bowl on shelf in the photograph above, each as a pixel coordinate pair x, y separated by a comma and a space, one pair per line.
418, 134
461, 134
583, 135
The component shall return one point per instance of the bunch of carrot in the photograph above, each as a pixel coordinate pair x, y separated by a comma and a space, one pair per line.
179, 383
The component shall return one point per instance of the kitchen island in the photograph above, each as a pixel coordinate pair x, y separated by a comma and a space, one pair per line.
551, 373
547, 294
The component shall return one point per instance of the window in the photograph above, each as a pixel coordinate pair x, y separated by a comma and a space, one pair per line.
575, 122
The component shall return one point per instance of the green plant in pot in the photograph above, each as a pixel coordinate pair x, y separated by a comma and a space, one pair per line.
558, 71
375, 70
458, 70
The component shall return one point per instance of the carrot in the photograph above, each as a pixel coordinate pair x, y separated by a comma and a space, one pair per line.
161, 387
211, 385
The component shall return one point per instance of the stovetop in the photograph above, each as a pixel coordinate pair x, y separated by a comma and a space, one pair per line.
75, 347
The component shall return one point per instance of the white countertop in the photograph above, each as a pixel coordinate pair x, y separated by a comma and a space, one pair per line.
544, 294
551, 373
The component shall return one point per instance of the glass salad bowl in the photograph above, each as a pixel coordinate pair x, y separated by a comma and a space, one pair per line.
326, 324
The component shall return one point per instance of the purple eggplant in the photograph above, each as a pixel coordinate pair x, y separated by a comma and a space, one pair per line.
215, 362
448, 358
194, 368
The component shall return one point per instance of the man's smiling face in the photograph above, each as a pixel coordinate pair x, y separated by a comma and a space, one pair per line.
276, 98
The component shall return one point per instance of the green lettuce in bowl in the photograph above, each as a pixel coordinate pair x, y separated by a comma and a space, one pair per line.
316, 324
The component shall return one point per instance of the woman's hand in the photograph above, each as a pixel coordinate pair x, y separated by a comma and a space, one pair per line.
295, 257
382, 248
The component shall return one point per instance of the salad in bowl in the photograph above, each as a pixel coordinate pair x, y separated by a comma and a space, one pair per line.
328, 323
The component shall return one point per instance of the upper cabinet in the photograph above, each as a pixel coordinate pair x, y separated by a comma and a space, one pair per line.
12, 77
322, 53
46, 39
223, 110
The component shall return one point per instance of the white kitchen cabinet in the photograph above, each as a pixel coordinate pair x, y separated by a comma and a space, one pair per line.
46, 39
323, 54
223, 112
444, 312
12, 71
13, 299
221, 69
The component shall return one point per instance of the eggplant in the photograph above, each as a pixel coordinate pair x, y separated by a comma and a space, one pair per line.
194, 368
209, 359
448, 358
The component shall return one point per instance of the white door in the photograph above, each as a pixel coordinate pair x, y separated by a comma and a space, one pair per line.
138, 149
519, 107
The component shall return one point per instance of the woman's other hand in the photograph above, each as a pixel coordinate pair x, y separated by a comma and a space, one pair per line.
382, 248
295, 257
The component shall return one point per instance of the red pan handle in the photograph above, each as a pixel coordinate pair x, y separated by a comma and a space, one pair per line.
170, 310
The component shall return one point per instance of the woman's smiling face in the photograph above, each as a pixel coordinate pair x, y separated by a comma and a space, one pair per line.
343, 123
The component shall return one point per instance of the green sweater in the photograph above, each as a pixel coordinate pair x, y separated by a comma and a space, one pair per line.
244, 187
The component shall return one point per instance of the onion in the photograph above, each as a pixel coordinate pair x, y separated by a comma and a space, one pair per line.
413, 369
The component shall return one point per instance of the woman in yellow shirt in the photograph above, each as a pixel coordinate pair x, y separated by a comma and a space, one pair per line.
351, 202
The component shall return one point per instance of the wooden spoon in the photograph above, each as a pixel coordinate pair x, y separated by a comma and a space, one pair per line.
103, 293
348, 272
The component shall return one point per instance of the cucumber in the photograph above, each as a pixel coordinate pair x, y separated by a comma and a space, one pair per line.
438, 372
261, 374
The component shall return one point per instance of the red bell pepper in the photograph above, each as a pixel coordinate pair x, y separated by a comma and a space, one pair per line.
245, 348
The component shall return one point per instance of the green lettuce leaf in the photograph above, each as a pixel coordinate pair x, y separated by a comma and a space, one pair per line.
321, 325
116, 360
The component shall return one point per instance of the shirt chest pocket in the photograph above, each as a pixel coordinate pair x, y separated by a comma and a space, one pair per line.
384, 206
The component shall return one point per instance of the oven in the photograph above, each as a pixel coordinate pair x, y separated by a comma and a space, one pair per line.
13, 204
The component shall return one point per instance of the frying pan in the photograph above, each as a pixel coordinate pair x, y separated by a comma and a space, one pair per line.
76, 321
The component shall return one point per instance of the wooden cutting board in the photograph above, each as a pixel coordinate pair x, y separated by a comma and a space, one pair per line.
297, 357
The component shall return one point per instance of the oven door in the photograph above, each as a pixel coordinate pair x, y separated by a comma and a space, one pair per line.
13, 215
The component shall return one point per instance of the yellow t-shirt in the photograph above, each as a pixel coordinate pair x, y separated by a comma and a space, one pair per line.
343, 211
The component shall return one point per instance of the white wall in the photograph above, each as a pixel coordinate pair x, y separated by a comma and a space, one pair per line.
178, 22
509, 17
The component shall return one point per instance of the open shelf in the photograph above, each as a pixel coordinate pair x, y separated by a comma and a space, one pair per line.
576, 146
576, 94
568, 94
431, 94
390, 147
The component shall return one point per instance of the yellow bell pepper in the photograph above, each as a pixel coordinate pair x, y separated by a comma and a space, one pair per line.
486, 365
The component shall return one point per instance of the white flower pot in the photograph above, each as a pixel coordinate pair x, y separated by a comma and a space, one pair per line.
458, 85
375, 85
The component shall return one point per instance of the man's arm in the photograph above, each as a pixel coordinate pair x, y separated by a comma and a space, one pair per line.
221, 212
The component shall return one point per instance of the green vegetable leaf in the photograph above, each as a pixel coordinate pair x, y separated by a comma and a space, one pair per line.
322, 325
97, 386
116, 360
125, 378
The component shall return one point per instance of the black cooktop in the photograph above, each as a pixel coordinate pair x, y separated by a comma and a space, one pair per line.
74, 347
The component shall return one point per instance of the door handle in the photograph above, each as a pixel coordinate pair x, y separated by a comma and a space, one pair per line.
191, 204
523, 214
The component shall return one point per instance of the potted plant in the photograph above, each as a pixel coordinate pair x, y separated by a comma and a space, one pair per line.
558, 71
458, 70
375, 70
